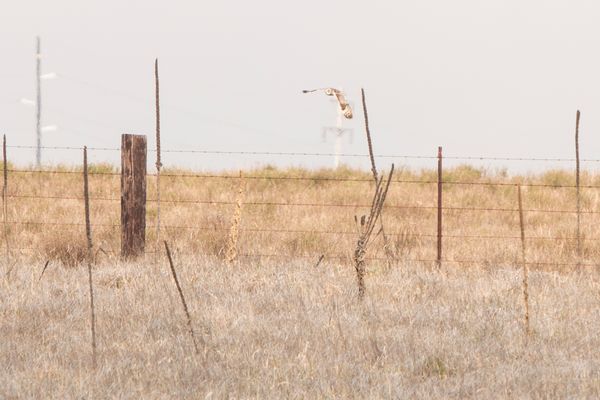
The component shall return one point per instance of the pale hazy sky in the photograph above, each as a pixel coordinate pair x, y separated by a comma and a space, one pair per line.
491, 78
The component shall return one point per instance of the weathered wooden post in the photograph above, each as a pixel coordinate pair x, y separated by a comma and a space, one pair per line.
133, 195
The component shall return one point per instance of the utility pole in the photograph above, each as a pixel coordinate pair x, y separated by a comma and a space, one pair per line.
344, 111
39, 129
338, 131
38, 76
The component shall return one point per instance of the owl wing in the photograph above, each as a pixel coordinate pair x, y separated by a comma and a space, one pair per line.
345, 107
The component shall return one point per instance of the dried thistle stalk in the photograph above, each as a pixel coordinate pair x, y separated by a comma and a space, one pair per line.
524, 261
367, 224
234, 230
386, 243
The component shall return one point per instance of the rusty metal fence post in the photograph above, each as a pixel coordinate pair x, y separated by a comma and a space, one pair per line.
5, 199
88, 235
439, 209
577, 184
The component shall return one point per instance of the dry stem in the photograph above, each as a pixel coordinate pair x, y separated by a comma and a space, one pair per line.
88, 231
44, 270
524, 261
185, 307
366, 229
386, 244
231, 253
158, 161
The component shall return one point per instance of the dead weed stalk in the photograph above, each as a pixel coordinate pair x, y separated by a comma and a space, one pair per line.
183, 302
234, 230
387, 248
365, 230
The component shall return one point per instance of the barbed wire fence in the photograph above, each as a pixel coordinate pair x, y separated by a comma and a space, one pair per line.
19, 220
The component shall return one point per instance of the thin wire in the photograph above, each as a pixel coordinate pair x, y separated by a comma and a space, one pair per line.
282, 153
341, 257
416, 260
308, 178
476, 262
320, 232
285, 204
64, 148
57, 171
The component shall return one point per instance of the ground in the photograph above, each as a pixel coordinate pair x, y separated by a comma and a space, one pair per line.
293, 330
274, 324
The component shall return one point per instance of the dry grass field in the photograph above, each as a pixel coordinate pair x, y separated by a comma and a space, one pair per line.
274, 325
313, 214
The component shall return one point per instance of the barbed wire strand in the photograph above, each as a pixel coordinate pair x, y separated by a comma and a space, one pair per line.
288, 204
406, 260
315, 178
285, 153
311, 231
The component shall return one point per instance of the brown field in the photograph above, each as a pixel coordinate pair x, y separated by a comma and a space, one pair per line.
314, 214
272, 325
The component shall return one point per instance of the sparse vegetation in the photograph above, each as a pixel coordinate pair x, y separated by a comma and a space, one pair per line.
312, 215
283, 329
274, 326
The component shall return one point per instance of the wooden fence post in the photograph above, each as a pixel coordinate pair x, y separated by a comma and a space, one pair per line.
133, 195
439, 209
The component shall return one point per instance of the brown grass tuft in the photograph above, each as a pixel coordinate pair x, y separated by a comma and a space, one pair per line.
69, 251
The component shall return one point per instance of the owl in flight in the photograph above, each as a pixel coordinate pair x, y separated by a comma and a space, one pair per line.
341, 99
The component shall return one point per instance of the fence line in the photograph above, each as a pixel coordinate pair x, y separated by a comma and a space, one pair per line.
308, 178
349, 256
313, 154
417, 260
287, 204
313, 231
440, 182
408, 260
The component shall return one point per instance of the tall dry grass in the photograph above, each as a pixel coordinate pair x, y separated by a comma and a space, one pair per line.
288, 330
285, 217
279, 327
234, 229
